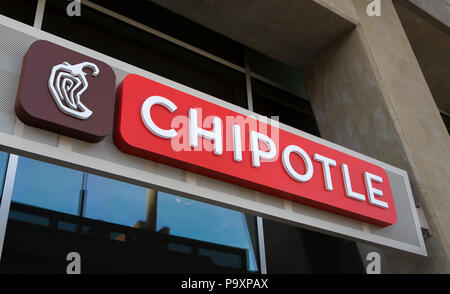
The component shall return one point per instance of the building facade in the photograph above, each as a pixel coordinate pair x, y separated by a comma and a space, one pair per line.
370, 76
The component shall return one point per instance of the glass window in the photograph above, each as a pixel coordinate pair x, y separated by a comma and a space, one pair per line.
28, 217
291, 110
274, 70
146, 51
47, 186
201, 221
446, 120
3, 165
179, 27
115, 202
307, 252
21, 10
150, 211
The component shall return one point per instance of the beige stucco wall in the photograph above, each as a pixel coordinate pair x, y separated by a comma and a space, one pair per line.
368, 93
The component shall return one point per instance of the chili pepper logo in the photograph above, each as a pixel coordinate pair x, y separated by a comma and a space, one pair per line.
67, 83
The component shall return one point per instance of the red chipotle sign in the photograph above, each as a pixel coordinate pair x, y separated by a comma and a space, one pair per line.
72, 94
163, 124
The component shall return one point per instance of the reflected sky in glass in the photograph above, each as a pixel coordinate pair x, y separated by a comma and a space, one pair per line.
57, 188
47, 186
205, 222
3, 165
125, 204
115, 202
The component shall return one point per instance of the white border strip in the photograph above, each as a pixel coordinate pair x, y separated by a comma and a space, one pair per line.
39, 16
6, 197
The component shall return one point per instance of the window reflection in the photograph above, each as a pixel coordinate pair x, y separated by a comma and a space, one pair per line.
129, 205
446, 120
287, 76
292, 110
66, 202
197, 220
3, 165
47, 186
146, 51
115, 202
21, 10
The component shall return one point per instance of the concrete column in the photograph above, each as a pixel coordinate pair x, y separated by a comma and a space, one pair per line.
368, 93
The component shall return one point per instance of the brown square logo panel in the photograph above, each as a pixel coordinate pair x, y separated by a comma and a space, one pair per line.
66, 92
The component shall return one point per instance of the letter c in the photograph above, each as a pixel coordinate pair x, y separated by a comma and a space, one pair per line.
147, 119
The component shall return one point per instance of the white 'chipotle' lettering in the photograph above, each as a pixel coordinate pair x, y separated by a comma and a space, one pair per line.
258, 154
